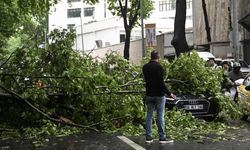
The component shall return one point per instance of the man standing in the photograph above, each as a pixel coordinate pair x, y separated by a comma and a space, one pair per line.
155, 97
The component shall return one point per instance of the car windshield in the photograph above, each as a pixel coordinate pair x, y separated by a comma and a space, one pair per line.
243, 64
205, 55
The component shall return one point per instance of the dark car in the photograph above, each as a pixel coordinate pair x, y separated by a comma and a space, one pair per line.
200, 107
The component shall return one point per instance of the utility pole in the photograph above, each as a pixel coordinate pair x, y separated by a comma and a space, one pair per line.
142, 28
82, 33
46, 42
206, 23
235, 32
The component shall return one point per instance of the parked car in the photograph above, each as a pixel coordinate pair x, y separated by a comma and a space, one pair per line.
245, 67
200, 107
244, 97
206, 55
202, 54
218, 61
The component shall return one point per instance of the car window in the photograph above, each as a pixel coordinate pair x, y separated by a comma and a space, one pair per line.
243, 64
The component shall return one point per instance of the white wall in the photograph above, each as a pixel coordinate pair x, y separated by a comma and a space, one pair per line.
135, 51
108, 29
58, 15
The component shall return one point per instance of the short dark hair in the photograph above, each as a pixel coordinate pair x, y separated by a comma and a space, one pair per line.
225, 63
211, 58
155, 55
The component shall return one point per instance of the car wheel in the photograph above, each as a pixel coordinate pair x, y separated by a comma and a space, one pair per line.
244, 117
210, 118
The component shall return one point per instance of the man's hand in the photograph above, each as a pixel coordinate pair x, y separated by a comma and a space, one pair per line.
172, 96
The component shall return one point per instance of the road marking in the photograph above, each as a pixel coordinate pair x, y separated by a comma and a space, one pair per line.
131, 143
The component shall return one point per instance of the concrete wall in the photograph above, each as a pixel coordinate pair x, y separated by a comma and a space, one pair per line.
105, 30
221, 26
58, 15
218, 18
168, 48
135, 49
108, 29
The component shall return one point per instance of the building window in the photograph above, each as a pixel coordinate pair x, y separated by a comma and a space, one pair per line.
72, 13
71, 1
167, 5
162, 5
122, 38
70, 26
189, 4
89, 11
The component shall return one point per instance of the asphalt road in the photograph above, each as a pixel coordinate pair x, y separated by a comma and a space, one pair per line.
99, 141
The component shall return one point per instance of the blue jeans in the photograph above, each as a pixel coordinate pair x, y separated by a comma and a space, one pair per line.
158, 104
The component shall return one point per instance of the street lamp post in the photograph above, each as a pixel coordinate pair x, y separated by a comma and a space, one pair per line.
235, 32
82, 33
142, 28
46, 42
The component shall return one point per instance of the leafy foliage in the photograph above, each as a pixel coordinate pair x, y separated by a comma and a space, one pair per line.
132, 8
9, 20
201, 80
61, 82
130, 12
41, 135
106, 95
184, 126
16, 13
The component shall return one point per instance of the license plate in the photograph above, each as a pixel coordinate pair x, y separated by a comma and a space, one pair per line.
193, 107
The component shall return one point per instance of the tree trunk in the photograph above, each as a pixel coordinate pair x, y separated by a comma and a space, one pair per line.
206, 23
179, 40
127, 44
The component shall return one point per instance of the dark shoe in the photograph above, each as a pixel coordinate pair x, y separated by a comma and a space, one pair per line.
165, 141
149, 141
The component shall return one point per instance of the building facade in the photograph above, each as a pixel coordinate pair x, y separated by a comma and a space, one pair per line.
228, 37
97, 27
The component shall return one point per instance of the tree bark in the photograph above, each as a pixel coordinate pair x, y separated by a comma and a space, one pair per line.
129, 21
127, 44
206, 23
59, 119
179, 40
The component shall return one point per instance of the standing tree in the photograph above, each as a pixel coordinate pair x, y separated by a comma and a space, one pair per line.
179, 40
16, 13
9, 21
129, 10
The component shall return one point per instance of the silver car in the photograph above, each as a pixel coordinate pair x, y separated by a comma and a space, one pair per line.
245, 68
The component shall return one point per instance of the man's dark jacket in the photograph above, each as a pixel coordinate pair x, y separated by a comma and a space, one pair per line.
154, 76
